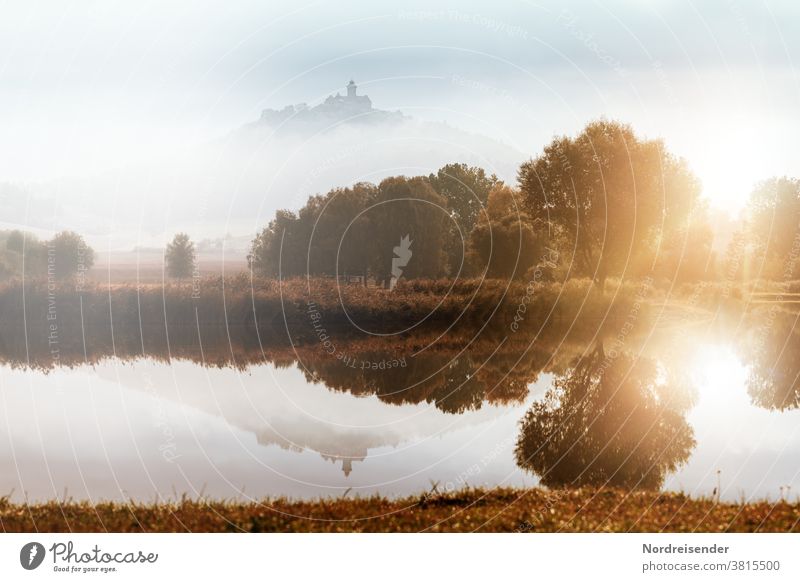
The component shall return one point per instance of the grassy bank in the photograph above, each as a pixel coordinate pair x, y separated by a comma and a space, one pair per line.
497, 510
240, 300
81, 323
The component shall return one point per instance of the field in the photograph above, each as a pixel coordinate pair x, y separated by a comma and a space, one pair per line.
147, 267
497, 510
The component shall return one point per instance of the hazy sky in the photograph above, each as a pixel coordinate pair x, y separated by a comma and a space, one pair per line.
86, 86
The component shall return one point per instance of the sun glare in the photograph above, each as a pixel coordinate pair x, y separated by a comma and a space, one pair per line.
729, 164
720, 375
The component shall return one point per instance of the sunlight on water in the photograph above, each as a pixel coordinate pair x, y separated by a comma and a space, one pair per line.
754, 450
720, 377
705, 413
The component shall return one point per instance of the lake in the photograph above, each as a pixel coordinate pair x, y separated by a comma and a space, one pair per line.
678, 407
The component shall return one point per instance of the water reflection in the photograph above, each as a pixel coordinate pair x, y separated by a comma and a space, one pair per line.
146, 412
774, 350
145, 429
453, 382
608, 420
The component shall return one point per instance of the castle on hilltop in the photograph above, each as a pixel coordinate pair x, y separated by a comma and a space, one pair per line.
350, 108
352, 101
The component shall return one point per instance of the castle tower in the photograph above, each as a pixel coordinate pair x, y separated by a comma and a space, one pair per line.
351, 89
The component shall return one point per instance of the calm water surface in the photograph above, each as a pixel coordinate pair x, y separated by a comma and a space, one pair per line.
147, 429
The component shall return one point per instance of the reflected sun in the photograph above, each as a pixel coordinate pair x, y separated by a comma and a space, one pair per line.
718, 374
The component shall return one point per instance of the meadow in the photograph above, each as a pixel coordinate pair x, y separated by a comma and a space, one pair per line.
306, 306
496, 510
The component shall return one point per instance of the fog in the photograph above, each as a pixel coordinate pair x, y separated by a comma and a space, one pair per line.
129, 123
234, 185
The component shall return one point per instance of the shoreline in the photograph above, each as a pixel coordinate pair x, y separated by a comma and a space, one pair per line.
470, 510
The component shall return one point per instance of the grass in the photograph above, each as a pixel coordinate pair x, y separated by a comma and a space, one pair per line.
238, 300
137, 319
495, 510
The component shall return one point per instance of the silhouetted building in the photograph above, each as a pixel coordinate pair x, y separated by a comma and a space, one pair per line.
338, 108
351, 104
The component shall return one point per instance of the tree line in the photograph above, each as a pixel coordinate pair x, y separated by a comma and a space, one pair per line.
63, 256
67, 255
352, 231
606, 202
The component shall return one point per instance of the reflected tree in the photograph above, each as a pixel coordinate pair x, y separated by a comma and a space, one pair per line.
774, 379
616, 421
452, 382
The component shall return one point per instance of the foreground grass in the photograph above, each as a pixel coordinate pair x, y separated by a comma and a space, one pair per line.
496, 510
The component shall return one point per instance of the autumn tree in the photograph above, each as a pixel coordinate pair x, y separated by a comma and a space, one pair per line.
180, 256
466, 191
503, 243
687, 253
609, 195
773, 225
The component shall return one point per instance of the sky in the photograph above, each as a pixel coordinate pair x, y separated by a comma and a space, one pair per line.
89, 86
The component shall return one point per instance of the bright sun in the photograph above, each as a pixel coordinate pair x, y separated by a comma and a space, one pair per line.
730, 163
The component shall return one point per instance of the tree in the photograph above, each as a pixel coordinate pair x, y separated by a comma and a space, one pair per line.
609, 195
16, 241
180, 256
773, 220
68, 254
329, 234
503, 242
280, 249
340, 231
773, 358
466, 190
687, 255
607, 422
410, 209
20, 250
